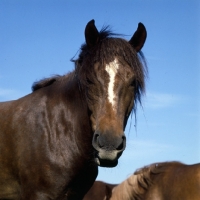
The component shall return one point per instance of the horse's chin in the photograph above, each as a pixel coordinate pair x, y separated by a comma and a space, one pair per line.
105, 162
105, 158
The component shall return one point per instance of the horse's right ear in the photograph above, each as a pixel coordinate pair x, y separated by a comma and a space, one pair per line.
91, 34
139, 37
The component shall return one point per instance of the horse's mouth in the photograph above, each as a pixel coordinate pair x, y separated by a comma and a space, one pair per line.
105, 161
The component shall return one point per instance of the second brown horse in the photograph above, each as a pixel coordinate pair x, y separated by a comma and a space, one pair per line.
159, 181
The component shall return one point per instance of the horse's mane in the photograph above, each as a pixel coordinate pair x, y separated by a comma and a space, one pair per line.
142, 179
49, 81
44, 82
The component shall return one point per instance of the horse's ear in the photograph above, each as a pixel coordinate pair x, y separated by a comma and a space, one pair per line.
108, 192
91, 34
139, 37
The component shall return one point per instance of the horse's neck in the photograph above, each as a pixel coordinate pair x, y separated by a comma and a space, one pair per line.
77, 103
125, 191
71, 106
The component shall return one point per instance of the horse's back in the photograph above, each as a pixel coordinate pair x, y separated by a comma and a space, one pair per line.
177, 182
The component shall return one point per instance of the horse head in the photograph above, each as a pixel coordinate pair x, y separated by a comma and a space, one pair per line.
114, 81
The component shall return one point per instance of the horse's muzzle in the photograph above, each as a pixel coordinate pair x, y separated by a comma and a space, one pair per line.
108, 149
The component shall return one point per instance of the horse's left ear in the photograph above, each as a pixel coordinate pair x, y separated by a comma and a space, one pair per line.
139, 37
91, 34
108, 192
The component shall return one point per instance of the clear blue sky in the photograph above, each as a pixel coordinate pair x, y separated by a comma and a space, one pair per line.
38, 39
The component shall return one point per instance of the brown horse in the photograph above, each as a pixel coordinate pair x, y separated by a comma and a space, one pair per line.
52, 140
160, 181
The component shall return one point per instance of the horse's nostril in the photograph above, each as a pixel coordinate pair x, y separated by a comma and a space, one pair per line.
95, 141
121, 147
96, 135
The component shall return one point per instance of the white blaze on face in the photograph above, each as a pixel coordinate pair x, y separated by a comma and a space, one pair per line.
112, 68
